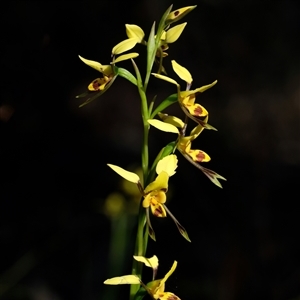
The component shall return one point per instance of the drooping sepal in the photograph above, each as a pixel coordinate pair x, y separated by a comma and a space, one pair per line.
150, 228
181, 229
212, 175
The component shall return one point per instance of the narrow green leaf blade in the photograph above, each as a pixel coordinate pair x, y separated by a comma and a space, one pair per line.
151, 49
126, 74
164, 104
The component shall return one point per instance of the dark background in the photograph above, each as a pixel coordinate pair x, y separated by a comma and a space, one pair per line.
55, 238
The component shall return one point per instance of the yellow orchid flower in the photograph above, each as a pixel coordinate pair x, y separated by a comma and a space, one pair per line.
155, 288
187, 98
172, 124
175, 125
99, 84
155, 192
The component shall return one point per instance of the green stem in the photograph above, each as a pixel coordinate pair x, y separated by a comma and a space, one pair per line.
141, 239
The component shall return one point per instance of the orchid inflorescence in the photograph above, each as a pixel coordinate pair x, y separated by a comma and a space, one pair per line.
153, 186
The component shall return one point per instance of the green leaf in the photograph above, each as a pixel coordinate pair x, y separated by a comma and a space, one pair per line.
151, 104
145, 112
126, 74
162, 21
138, 75
151, 49
141, 293
164, 104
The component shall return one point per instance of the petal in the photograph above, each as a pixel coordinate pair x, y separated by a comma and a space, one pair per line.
105, 69
152, 286
197, 120
147, 201
99, 84
134, 31
125, 57
167, 296
177, 14
149, 262
198, 155
198, 90
205, 87
166, 78
171, 120
174, 33
167, 165
183, 143
158, 196
130, 176
182, 72
126, 279
124, 46
158, 210
160, 183
163, 126
197, 110
162, 282
194, 109
199, 128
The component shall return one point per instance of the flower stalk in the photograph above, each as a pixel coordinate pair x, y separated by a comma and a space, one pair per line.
154, 182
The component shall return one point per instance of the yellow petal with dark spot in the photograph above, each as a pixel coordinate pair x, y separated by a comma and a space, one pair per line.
158, 210
177, 14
